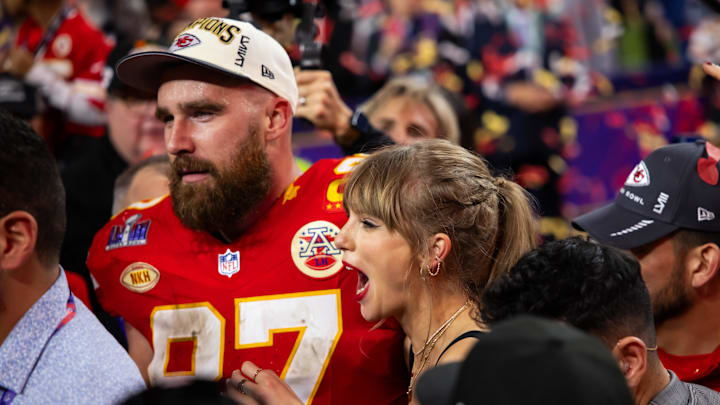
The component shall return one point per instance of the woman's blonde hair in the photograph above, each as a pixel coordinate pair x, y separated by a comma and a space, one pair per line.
419, 90
434, 187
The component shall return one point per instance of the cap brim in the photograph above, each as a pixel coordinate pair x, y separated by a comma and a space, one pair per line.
437, 385
619, 227
143, 70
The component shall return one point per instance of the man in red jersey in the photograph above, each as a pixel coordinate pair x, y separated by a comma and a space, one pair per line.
239, 263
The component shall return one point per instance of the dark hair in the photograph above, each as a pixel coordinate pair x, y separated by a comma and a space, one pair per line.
194, 392
30, 182
686, 239
596, 288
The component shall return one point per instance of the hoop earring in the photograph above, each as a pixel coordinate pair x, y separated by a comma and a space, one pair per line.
437, 269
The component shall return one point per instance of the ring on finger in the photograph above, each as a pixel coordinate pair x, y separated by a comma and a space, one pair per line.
256, 374
241, 386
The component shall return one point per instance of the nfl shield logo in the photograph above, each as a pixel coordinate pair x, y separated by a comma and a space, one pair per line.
229, 263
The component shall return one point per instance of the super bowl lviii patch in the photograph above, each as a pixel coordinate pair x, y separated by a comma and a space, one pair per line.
313, 249
133, 233
140, 277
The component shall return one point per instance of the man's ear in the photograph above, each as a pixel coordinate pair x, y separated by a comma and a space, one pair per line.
278, 120
18, 235
631, 355
702, 262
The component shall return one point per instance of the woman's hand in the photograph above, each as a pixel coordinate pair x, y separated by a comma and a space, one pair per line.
252, 385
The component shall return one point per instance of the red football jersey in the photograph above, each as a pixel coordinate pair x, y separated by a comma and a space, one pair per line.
278, 296
77, 54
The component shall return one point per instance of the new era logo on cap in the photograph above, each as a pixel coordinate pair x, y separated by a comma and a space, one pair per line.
267, 73
639, 176
705, 214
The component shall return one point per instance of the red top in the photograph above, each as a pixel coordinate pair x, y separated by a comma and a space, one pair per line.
699, 369
278, 295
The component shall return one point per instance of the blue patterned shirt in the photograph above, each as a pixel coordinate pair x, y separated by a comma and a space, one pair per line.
681, 393
81, 364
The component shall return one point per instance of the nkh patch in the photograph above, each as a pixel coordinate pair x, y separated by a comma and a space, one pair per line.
639, 176
133, 233
313, 249
184, 41
229, 263
140, 277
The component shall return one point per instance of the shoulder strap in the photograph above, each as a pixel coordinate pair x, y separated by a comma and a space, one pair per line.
469, 334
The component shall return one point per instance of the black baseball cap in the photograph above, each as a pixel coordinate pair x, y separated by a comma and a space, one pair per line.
675, 186
529, 360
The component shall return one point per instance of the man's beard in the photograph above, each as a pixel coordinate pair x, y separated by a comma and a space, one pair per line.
230, 197
674, 298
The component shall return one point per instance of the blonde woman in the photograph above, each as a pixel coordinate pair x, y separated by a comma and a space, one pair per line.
428, 228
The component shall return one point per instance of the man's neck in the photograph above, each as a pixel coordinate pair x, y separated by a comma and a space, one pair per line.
19, 290
655, 380
696, 331
44, 11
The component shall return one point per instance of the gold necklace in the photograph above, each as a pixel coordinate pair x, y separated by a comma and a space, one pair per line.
429, 345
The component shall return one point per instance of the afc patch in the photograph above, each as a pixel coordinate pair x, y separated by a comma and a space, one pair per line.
229, 263
133, 233
140, 277
184, 41
313, 251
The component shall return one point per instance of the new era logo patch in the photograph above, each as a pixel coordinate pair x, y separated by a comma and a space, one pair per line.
267, 73
639, 176
184, 41
705, 214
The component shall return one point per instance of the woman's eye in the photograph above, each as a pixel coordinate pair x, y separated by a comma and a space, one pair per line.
368, 223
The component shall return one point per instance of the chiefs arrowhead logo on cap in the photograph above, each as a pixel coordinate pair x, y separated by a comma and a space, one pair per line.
639, 176
184, 41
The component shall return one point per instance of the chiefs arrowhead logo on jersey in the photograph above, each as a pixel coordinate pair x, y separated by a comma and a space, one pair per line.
184, 41
133, 233
140, 277
313, 251
639, 176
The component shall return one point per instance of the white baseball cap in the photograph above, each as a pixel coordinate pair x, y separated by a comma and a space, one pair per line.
231, 47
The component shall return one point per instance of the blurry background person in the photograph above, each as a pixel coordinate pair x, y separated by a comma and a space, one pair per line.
600, 290
529, 360
407, 109
62, 54
52, 348
145, 180
666, 214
